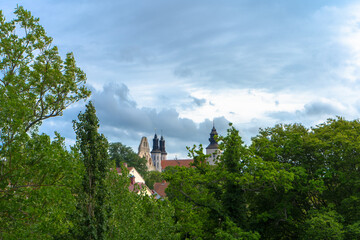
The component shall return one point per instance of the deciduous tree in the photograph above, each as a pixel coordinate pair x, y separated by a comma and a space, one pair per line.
35, 171
124, 154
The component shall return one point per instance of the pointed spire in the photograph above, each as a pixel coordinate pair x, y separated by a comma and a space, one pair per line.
213, 143
162, 144
155, 143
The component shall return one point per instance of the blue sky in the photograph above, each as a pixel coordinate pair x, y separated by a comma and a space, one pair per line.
176, 66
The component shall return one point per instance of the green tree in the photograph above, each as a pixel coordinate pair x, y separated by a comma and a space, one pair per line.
36, 84
136, 216
323, 226
124, 154
276, 213
36, 174
94, 154
336, 147
353, 231
215, 200
325, 162
152, 177
37, 198
233, 160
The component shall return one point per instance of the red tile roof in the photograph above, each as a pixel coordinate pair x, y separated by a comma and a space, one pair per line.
177, 162
160, 187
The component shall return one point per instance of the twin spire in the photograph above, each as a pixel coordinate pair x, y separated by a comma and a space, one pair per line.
159, 145
158, 148
158, 153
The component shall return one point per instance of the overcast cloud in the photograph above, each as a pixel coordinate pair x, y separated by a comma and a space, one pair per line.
176, 66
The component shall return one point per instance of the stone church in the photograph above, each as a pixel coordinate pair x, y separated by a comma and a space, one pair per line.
156, 159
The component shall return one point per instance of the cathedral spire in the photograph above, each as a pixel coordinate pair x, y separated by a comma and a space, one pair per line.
162, 144
155, 144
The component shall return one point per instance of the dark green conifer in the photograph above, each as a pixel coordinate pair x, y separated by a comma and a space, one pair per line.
94, 153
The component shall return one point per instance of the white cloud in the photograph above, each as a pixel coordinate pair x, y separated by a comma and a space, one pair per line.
243, 105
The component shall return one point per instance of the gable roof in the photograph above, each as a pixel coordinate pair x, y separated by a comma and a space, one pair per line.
133, 171
177, 162
160, 187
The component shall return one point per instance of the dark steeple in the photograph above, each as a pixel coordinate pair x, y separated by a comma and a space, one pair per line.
155, 144
162, 145
213, 144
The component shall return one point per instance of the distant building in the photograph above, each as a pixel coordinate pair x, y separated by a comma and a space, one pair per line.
137, 182
158, 152
144, 152
213, 148
156, 159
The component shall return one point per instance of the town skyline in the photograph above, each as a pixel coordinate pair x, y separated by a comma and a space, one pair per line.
180, 65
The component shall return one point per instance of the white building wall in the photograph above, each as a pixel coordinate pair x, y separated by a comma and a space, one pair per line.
213, 155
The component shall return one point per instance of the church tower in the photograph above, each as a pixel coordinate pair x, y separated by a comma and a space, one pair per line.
156, 154
162, 148
213, 147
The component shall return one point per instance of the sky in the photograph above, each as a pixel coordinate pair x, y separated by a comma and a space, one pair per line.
178, 67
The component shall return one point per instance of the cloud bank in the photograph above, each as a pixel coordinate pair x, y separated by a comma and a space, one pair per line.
177, 65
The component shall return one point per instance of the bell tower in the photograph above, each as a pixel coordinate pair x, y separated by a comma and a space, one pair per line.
213, 148
156, 153
162, 148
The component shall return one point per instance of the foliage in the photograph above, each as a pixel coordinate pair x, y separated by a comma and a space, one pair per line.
36, 83
108, 210
353, 231
213, 200
136, 216
291, 183
152, 177
233, 232
36, 173
277, 214
94, 154
322, 226
124, 154
325, 162
36, 196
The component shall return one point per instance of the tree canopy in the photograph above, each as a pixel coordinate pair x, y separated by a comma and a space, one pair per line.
290, 183
37, 173
124, 154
